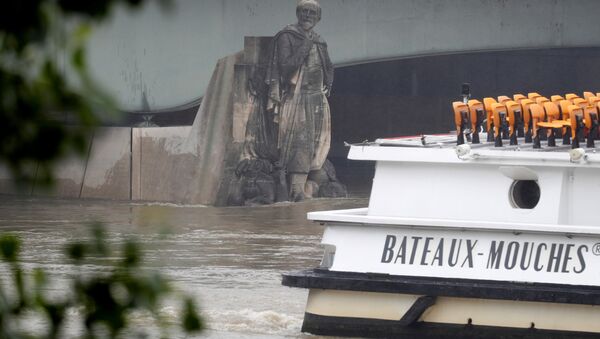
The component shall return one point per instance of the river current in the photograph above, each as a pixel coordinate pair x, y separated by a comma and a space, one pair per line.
229, 259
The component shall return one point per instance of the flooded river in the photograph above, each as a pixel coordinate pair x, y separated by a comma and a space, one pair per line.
230, 259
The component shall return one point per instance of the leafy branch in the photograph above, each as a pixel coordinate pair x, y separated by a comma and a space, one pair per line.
104, 300
48, 106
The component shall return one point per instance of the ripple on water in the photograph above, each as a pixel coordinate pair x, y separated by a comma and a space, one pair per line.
229, 259
251, 321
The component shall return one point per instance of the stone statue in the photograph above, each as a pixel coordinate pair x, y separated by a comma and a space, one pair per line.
299, 79
288, 130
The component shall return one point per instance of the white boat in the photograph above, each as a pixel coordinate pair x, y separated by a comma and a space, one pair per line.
468, 241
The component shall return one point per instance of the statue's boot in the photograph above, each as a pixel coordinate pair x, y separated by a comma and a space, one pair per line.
297, 183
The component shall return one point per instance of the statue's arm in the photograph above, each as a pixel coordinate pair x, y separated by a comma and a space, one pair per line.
328, 68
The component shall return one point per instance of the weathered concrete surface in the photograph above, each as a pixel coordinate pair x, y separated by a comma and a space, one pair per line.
103, 173
162, 166
108, 169
136, 163
212, 136
191, 165
69, 179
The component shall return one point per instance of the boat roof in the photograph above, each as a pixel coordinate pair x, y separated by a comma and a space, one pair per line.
449, 141
443, 148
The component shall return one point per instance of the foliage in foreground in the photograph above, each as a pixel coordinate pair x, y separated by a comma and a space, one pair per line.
105, 300
49, 104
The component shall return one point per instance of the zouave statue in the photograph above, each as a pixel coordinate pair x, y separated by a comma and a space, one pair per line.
289, 132
299, 77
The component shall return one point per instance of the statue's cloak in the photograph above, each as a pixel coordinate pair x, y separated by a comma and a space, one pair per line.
290, 48
302, 119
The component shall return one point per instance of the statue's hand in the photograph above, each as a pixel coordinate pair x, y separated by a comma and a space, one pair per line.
327, 91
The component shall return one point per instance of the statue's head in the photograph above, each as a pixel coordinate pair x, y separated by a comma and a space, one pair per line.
308, 13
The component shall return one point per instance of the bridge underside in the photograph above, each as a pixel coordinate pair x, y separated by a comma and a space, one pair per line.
413, 95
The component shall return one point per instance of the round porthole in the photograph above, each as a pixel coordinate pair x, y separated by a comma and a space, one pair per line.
524, 194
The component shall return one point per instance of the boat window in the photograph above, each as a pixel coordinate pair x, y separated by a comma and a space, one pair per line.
524, 194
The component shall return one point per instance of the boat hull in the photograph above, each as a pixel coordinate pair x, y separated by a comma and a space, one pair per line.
380, 305
477, 241
376, 328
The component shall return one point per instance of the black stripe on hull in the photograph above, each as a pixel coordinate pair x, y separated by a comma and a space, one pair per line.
375, 328
432, 286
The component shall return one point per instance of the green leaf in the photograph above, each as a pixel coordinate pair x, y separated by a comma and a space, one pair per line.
131, 252
9, 247
99, 239
78, 59
191, 321
39, 277
76, 251
82, 33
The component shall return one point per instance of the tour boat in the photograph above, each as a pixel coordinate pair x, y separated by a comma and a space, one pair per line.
466, 238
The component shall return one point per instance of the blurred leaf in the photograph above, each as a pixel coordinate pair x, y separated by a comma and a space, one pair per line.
9, 247
76, 251
39, 277
82, 33
78, 59
191, 320
105, 300
46, 116
131, 254
99, 239
37, 100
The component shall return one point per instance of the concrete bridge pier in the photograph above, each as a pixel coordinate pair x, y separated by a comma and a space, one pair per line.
189, 164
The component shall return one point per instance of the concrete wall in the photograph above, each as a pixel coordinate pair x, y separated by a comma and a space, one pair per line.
157, 154
165, 58
103, 173
191, 164
108, 169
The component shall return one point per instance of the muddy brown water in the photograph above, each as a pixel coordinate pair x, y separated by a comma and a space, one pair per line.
229, 259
